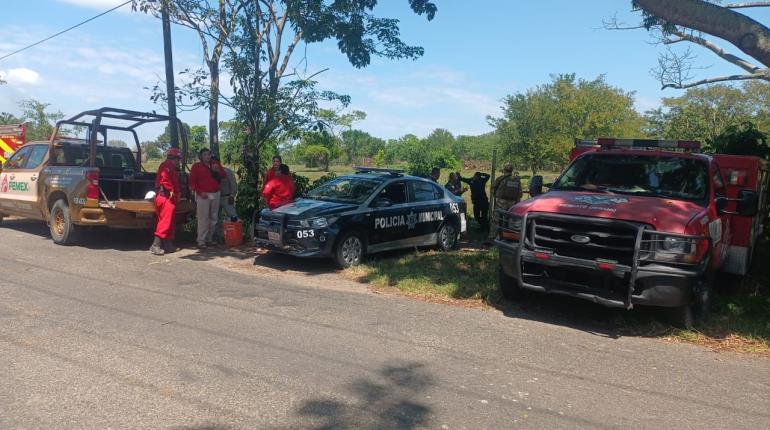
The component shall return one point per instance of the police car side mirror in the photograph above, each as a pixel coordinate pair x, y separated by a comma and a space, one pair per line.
748, 203
382, 202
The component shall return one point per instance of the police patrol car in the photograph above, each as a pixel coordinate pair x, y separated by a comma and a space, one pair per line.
370, 211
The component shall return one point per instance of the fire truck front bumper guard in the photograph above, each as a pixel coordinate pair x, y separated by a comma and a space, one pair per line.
605, 283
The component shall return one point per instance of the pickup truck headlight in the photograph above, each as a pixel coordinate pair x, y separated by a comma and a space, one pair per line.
510, 227
665, 248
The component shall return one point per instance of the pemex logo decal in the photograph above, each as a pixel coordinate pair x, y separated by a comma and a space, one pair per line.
4, 185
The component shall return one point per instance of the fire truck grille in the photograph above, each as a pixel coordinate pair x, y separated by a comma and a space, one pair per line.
583, 237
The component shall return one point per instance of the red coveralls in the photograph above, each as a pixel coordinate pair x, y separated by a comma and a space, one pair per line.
166, 182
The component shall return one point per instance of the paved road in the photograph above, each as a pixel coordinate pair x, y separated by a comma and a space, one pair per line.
99, 337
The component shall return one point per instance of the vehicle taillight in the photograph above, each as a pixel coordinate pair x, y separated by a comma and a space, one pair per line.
92, 189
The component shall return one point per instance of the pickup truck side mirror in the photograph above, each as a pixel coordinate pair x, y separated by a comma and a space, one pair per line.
382, 202
536, 186
721, 204
748, 203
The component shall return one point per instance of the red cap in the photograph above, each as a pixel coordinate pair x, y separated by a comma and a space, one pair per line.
174, 152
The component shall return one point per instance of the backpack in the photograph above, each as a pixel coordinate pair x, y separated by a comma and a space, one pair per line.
509, 188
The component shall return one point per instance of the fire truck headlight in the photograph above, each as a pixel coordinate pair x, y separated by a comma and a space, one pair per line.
675, 244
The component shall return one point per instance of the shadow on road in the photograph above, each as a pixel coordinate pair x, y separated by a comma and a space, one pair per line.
390, 400
88, 237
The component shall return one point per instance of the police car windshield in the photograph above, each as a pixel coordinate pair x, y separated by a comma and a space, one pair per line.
345, 190
670, 177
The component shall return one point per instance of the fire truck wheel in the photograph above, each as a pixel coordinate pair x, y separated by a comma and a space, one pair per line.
63, 231
687, 316
509, 286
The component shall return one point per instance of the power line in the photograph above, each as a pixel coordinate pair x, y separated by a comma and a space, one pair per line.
65, 30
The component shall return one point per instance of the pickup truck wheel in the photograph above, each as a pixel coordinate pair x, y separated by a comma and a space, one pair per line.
350, 250
447, 237
509, 286
63, 231
687, 316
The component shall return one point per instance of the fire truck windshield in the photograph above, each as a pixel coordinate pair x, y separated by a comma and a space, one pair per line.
650, 175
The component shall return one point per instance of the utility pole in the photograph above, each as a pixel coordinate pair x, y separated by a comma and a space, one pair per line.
170, 89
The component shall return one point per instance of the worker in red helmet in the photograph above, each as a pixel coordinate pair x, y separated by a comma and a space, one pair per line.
167, 195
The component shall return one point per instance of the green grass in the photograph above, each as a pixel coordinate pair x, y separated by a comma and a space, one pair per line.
463, 274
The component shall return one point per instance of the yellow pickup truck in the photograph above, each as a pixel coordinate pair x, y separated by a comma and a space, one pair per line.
71, 183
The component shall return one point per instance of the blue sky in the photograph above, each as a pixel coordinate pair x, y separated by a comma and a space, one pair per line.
474, 56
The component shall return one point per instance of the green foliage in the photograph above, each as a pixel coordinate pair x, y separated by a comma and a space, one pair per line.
40, 120
359, 145
301, 185
705, 113
323, 179
197, 139
538, 127
319, 148
741, 139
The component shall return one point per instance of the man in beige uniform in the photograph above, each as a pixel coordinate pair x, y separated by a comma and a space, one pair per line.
507, 192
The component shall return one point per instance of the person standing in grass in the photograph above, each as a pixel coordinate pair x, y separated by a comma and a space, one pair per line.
478, 184
205, 178
507, 191
454, 185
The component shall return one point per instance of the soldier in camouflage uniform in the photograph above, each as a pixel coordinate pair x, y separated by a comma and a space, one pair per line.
507, 192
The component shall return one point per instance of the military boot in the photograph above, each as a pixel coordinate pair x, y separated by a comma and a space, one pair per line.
157, 246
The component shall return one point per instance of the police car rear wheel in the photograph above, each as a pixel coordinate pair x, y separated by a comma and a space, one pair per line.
350, 250
447, 237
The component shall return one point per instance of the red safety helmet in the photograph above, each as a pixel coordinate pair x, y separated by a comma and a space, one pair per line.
174, 153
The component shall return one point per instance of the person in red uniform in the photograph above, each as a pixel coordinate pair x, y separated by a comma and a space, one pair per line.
205, 178
275, 170
167, 196
280, 189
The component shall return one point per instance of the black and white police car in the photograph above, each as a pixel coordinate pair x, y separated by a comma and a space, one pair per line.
370, 211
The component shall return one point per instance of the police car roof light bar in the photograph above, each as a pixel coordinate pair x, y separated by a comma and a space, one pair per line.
362, 169
687, 145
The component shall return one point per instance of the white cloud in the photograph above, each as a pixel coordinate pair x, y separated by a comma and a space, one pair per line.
21, 75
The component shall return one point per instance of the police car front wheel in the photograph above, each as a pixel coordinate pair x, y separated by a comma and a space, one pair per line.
350, 250
447, 237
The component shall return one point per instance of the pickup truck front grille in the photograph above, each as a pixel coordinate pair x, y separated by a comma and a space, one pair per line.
583, 237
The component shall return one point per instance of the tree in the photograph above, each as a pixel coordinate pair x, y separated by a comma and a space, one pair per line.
538, 127
197, 140
117, 143
319, 148
213, 25
40, 121
273, 102
704, 113
691, 22
359, 144
742, 139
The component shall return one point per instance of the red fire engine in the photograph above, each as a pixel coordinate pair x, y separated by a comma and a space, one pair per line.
637, 222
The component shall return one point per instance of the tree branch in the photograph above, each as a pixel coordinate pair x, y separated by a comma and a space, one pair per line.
747, 34
760, 76
743, 64
745, 5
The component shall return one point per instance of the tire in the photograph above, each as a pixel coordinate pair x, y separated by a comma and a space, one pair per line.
509, 286
63, 231
349, 251
447, 237
689, 315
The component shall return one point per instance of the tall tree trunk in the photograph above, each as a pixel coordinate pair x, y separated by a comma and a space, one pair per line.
214, 107
747, 34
